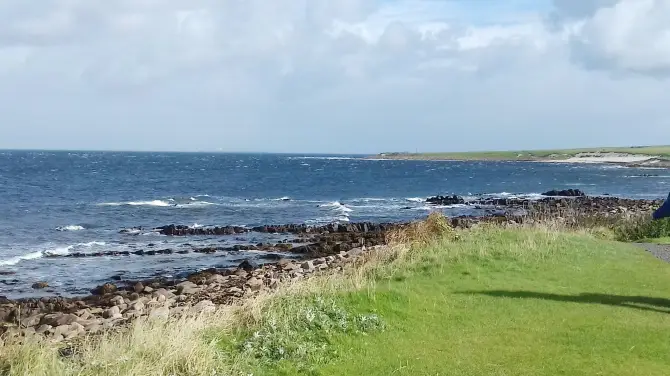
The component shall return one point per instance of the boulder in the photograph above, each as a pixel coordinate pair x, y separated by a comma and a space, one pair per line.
255, 284
160, 313
446, 200
565, 193
205, 306
40, 285
112, 313
138, 288
107, 288
248, 265
31, 320
58, 319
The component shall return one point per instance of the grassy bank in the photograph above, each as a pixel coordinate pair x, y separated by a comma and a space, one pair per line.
530, 155
485, 301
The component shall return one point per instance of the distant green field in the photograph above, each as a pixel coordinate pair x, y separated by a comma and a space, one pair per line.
529, 155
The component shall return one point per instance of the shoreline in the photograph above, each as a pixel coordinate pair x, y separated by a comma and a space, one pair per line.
324, 249
612, 158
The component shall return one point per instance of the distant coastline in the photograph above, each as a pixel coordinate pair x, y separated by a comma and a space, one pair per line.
642, 156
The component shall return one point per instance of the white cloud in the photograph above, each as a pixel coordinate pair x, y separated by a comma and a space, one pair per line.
332, 76
630, 36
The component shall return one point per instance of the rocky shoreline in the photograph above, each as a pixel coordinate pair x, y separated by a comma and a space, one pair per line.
312, 250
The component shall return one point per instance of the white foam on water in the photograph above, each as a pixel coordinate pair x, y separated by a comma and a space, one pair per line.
70, 228
195, 204
415, 199
338, 206
15, 260
329, 158
157, 203
57, 251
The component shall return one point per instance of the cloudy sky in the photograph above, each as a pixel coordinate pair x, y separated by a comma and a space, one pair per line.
333, 76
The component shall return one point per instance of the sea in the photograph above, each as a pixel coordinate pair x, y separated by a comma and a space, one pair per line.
53, 204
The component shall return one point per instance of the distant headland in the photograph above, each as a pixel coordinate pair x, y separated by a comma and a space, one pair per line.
634, 156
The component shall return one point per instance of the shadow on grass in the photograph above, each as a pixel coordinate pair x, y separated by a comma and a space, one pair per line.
637, 302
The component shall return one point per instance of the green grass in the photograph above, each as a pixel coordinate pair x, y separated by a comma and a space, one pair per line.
522, 301
507, 302
663, 240
557, 154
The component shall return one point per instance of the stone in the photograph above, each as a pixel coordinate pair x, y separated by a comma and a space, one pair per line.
40, 285
77, 326
248, 265
255, 284
163, 292
148, 290
93, 328
187, 287
107, 288
84, 314
58, 319
565, 193
112, 313
216, 279
43, 329
160, 313
355, 252
307, 265
137, 305
62, 330
117, 300
138, 288
31, 320
205, 306
27, 332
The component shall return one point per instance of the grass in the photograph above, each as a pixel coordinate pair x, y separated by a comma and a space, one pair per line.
531, 155
486, 301
661, 240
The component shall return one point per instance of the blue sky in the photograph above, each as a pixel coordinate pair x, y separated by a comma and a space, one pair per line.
352, 76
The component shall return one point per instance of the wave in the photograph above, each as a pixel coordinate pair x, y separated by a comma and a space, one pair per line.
58, 251
415, 199
329, 158
159, 203
70, 228
337, 206
191, 203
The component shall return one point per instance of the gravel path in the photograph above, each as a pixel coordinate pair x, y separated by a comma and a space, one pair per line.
662, 251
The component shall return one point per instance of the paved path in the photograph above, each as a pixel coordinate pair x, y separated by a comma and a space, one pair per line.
662, 251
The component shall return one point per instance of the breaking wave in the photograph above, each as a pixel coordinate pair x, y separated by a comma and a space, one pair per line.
58, 251
70, 228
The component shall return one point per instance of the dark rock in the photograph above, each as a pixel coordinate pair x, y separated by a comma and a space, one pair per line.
107, 288
565, 193
248, 265
446, 200
40, 285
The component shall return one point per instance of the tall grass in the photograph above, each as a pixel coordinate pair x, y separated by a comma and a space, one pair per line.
297, 323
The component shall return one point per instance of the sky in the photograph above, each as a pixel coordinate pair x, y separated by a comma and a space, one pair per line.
333, 76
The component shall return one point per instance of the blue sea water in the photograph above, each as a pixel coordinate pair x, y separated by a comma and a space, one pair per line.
55, 203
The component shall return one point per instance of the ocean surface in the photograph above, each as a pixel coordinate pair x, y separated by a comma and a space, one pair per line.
58, 203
